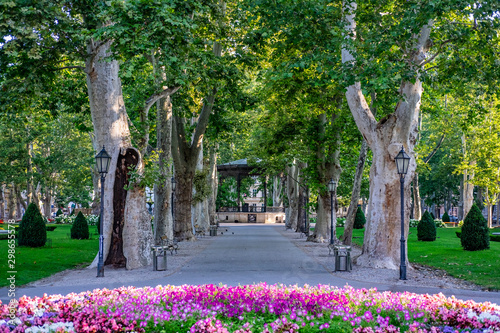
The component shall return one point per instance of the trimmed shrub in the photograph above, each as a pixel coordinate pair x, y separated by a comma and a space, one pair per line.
475, 233
59, 212
80, 228
359, 219
426, 228
32, 231
446, 217
433, 217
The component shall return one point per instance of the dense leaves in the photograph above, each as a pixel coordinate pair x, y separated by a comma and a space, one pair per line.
475, 234
426, 228
80, 228
32, 231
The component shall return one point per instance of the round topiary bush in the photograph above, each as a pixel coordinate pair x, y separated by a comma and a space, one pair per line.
80, 228
426, 228
475, 234
359, 219
32, 231
446, 217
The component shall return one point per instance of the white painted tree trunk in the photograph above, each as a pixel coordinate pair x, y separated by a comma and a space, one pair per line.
127, 230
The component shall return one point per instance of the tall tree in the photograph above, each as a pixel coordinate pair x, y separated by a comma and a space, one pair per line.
427, 42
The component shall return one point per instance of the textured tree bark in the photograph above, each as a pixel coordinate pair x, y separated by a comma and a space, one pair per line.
213, 181
328, 167
277, 189
199, 211
356, 189
292, 190
381, 247
163, 220
111, 130
11, 199
301, 214
417, 208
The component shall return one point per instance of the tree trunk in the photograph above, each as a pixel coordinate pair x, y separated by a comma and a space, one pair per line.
381, 247
163, 220
213, 181
183, 198
301, 213
126, 224
417, 208
47, 200
292, 192
356, 189
328, 167
11, 199
277, 189
199, 211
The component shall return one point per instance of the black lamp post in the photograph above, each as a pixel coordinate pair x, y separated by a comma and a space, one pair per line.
402, 163
331, 187
172, 203
102, 160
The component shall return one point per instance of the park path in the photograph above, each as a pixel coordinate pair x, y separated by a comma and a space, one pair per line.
247, 254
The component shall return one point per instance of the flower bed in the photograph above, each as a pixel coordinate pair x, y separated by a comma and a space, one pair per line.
252, 308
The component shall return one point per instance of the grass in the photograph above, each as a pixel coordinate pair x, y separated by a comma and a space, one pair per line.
446, 253
33, 264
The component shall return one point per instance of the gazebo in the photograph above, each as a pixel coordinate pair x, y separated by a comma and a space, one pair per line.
240, 169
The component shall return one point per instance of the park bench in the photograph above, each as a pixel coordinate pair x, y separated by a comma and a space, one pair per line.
170, 244
199, 231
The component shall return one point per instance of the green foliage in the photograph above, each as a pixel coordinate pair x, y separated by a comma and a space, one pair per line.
359, 219
201, 186
445, 217
32, 231
80, 228
59, 212
433, 217
426, 229
475, 233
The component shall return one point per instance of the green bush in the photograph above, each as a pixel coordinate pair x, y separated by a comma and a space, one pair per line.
426, 228
475, 233
433, 217
359, 219
80, 228
340, 221
446, 217
59, 212
32, 231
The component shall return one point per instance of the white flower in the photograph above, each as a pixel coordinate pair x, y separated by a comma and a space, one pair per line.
46, 328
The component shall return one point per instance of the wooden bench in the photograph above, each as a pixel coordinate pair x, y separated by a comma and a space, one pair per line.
170, 244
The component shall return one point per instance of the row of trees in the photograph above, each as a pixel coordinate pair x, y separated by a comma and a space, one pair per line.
327, 87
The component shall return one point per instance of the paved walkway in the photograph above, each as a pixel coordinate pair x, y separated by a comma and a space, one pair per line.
253, 254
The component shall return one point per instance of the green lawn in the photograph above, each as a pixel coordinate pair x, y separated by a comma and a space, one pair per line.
480, 267
35, 263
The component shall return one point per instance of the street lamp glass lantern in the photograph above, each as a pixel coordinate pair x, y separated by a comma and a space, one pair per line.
102, 161
173, 183
402, 162
331, 185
